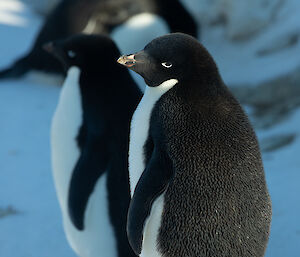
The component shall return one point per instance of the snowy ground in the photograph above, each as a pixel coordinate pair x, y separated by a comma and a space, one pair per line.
30, 223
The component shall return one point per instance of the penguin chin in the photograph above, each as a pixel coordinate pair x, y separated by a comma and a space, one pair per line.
151, 83
157, 83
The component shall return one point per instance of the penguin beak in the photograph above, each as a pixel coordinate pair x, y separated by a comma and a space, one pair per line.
137, 59
138, 62
127, 60
56, 51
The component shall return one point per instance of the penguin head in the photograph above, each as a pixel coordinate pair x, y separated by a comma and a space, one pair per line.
90, 52
172, 56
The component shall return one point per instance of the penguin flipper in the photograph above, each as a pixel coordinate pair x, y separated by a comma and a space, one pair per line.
152, 183
84, 178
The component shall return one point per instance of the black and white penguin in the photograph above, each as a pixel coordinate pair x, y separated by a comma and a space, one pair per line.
70, 17
195, 166
89, 145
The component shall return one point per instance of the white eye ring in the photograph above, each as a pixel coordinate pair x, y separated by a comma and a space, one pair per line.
167, 64
71, 54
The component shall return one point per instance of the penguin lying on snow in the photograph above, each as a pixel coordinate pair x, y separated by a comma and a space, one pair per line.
94, 17
89, 145
194, 161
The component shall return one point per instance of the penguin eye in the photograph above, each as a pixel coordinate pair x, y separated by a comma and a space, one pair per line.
71, 54
167, 64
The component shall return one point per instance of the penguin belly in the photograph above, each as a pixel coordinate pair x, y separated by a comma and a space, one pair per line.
151, 229
65, 127
139, 130
139, 134
97, 238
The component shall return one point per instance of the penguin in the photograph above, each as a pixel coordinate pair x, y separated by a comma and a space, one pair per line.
196, 175
89, 145
70, 17
59, 23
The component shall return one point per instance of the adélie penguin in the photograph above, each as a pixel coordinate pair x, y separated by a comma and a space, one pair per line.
195, 166
89, 145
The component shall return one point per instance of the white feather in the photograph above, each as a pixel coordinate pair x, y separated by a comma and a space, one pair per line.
140, 127
138, 136
151, 230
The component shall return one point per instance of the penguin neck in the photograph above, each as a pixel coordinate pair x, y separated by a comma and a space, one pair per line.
154, 93
109, 99
103, 84
206, 85
105, 78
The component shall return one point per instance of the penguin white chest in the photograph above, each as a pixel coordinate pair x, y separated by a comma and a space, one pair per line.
140, 129
97, 237
138, 136
65, 127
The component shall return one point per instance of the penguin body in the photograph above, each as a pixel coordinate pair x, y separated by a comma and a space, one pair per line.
70, 17
198, 184
66, 126
89, 145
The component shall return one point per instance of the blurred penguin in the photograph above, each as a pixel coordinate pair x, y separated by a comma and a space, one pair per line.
89, 145
102, 16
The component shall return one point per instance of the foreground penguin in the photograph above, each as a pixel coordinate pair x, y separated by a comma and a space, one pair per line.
195, 166
89, 145
94, 17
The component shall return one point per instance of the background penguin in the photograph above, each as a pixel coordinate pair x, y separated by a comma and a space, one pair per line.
194, 161
89, 141
94, 17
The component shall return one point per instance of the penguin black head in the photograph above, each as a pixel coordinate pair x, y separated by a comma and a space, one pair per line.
84, 51
173, 56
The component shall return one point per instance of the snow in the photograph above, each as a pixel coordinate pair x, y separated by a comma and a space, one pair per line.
26, 182
283, 173
26, 107
280, 29
9, 13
